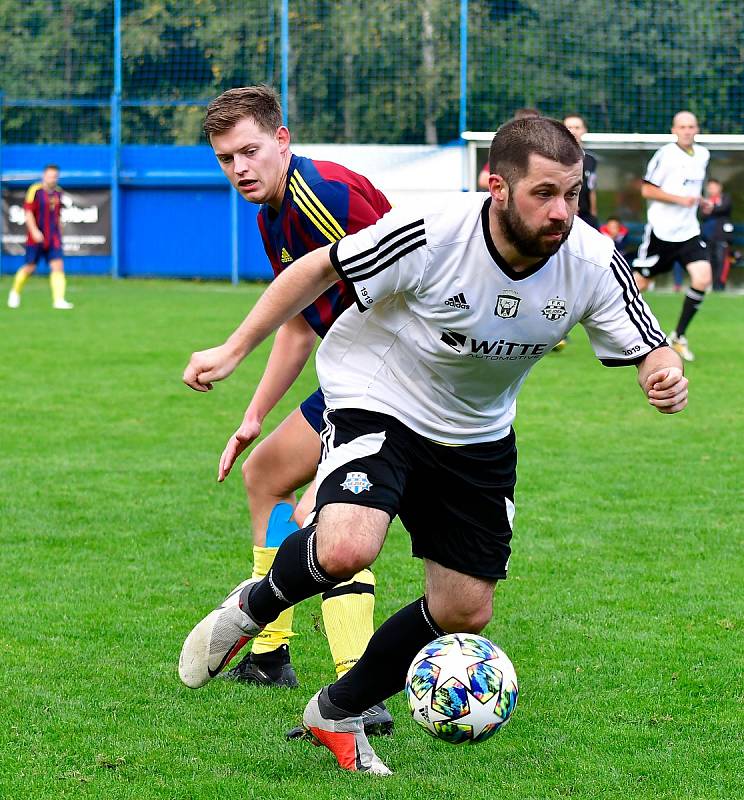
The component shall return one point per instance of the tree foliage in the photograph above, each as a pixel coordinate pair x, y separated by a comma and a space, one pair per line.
378, 71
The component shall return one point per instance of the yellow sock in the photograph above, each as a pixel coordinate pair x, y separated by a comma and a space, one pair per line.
58, 283
20, 278
348, 611
278, 632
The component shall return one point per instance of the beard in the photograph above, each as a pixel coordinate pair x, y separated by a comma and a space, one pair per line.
527, 241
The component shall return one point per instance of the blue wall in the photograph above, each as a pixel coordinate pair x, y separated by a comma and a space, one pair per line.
174, 218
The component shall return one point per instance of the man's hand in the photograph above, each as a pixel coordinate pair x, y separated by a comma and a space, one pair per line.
244, 436
666, 389
689, 202
37, 236
206, 366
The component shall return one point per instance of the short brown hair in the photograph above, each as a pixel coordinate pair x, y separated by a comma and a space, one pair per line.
515, 141
526, 113
259, 103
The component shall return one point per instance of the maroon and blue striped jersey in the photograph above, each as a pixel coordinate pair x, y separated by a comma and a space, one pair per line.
46, 208
323, 202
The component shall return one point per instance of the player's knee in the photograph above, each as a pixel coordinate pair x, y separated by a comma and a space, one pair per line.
257, 476
248, 473
461, 617
701, 276
345, 557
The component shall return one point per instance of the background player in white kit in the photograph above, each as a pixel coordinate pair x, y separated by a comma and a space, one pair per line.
673, 185
422, 396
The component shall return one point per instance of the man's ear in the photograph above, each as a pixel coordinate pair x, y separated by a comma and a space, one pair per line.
499, 188
282, 138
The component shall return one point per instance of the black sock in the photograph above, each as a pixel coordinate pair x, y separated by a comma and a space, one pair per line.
381, 671
273, 658
295, 575
693, 298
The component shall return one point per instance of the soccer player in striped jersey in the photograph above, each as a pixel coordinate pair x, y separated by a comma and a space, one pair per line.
305, 204
43, 207
673, 186
422, 396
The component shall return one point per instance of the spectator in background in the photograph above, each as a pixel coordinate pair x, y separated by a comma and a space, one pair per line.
715, 210
43, 206
588, 196
616, 231
520, 113
673, 186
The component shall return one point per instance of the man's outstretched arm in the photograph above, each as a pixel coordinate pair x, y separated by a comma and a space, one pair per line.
285, 297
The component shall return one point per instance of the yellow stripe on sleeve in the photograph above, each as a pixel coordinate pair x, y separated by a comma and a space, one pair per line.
310, 212
31, 193
332, 222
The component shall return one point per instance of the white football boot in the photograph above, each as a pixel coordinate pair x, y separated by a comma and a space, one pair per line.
62, 305
14, 299
216, 640
679, 345
344, 737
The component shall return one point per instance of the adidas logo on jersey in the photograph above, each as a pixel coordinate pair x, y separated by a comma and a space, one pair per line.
457, 301
286, 257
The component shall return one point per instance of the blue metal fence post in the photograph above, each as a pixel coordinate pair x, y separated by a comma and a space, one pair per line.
2, 96
284, 45
463, 64
464, 85
115, 143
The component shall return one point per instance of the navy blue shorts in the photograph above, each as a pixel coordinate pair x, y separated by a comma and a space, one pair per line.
36, 251
312, 409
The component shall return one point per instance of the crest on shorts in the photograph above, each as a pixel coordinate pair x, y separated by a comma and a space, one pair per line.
356, 482
555, 309
507, 306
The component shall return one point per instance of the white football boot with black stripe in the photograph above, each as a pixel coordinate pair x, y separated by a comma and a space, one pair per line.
343, 736
217, 639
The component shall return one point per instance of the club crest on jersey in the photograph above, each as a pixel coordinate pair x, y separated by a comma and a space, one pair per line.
555, 309
507, 306
356, 482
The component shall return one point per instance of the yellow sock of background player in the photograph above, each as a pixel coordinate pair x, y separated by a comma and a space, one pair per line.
348, 617
20, 279
58, 283
278, 632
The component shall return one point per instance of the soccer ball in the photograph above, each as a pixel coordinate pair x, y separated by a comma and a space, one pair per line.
461, 688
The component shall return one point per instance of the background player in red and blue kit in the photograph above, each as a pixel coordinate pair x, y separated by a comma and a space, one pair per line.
306, 204
43, 206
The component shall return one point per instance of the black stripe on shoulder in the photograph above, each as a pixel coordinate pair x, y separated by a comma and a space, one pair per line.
634, 305
419, 223
333, 254
354, 272
357, 278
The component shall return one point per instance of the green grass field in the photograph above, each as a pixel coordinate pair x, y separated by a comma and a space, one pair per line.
623, 613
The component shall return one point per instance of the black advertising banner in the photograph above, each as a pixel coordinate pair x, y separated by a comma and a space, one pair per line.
86, 217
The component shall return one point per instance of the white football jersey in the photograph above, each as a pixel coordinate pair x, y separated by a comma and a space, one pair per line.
445, 332
676, 171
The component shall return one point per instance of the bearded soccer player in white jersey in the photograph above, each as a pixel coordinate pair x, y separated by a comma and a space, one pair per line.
673, 185
421, 395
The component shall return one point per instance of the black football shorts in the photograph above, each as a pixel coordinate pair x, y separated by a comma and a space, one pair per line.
457, 502
655, 256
